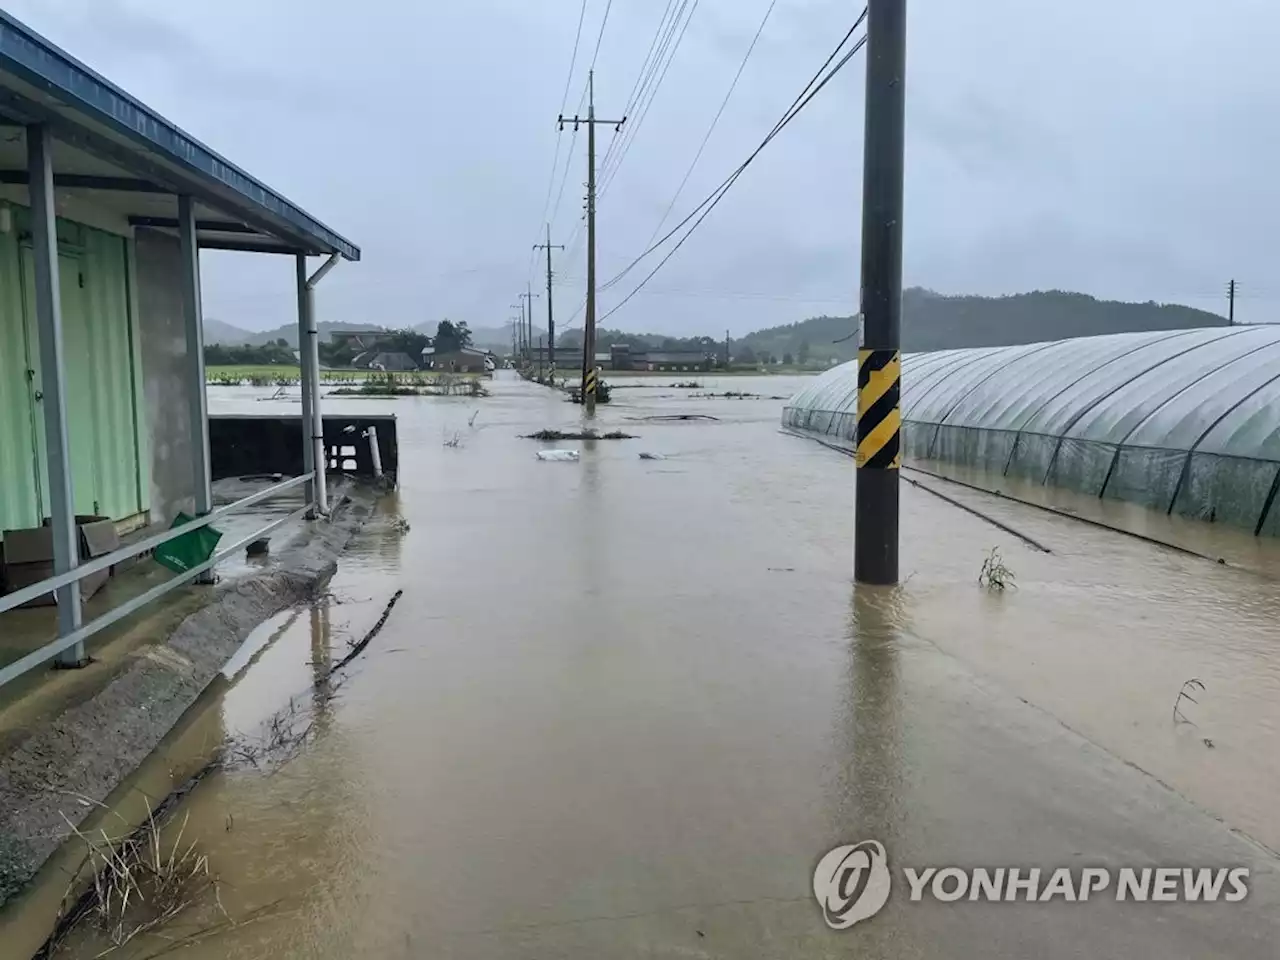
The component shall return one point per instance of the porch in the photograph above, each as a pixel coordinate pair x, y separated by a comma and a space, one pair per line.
104, 209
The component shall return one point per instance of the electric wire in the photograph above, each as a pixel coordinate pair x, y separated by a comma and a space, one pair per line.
791, 112
714, 120
633, 130
729, 183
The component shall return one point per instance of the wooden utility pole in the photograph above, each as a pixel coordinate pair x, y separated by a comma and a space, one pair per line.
589, 376
551, 322
875, 546
1231, 303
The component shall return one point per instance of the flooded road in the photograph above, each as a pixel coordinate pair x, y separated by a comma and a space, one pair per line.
624, 705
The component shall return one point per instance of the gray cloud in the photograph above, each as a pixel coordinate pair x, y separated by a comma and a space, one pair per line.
1120, 149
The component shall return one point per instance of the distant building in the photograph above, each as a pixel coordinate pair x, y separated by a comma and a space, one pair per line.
359, 341
675, 360
622, 357
393, 362
466, 360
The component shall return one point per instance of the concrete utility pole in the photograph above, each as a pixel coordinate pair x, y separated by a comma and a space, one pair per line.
551, 323
539, 359
589, 377
527, 299
520, 351
879, 453
1231, 303
726, 349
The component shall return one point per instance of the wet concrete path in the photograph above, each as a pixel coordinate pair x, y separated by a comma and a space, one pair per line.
625, 705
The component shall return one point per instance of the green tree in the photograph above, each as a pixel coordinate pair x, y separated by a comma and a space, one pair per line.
744, 354
787, 359
408, 341
447, 339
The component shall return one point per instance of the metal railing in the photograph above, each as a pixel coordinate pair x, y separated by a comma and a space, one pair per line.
128, 552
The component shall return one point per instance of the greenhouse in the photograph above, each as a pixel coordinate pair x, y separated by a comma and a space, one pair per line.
1185, 422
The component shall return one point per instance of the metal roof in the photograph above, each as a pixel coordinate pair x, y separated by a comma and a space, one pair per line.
139, 152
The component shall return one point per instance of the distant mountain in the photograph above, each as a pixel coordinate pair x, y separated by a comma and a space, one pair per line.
933, 321
215, 331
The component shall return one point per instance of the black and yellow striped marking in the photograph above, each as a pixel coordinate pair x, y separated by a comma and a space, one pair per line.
592, 379
879, 413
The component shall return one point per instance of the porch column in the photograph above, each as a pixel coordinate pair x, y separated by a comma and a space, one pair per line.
44, 242
193, 320
309, 377
320, 457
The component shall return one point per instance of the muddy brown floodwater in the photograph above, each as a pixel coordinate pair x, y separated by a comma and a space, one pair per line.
625, 704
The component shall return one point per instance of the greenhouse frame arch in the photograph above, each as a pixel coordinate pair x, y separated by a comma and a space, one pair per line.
1185, 421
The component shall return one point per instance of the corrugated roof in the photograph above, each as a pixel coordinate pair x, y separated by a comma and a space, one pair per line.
39, 82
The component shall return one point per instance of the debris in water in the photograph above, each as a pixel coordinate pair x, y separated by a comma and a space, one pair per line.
676, 416
587, 434
259, 548
1178, 715
565, 455
652, 456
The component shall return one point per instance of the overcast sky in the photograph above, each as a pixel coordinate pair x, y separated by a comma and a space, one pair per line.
1124, 148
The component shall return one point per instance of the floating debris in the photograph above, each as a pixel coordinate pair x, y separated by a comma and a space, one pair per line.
588, 434
564, 455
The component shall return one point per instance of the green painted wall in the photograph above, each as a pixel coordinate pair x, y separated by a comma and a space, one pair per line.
100, 342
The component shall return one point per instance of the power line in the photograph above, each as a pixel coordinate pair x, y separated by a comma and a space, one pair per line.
649, 68
600, 36
631, 97
568, 162
791, 115
625, 148
788, 115
564, 102
715, 120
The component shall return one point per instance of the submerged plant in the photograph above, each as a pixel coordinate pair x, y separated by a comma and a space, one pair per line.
994, 575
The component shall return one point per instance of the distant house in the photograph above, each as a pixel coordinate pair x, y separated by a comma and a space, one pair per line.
396, 362
358, 341
466, 360
674, 360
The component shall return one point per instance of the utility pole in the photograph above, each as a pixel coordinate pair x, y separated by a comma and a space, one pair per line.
520, 351
527, 299
726, 350
1231, 303
551, 323
879, 453
589, 376
539, 359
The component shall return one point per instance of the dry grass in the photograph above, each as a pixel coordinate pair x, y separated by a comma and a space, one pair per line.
140, 882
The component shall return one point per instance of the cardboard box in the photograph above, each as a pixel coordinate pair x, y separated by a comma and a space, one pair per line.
28, 556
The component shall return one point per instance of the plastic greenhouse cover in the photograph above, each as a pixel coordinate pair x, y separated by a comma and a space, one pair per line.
1114, 417
1216, 390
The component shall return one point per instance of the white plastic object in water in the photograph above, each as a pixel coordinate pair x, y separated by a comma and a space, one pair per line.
557, 454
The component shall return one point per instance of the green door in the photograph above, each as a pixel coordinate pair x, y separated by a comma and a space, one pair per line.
78, 384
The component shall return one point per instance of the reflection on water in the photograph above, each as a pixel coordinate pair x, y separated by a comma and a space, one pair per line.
631, 703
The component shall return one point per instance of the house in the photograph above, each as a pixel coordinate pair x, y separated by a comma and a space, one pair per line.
464, 360
393, 362
358, 341
676, 360
104, 208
